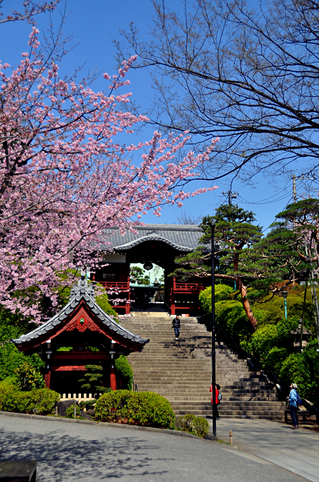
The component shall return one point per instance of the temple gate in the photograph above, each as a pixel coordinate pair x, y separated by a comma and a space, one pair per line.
158, 244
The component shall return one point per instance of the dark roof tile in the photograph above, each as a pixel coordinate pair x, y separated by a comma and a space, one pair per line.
84, 291
182, 237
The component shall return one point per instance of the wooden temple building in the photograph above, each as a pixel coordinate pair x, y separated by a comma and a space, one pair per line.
158, 244
80, 334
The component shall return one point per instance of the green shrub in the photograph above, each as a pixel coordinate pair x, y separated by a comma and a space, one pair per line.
303, 369
70, 411
273, 311
270, 336
11, 359
205, 300
275, 359
41, 401
12, 325
7, 388
28, 377
125, 372
45, 401
231, 318
196, 425
87, 404
222, 293
135, 408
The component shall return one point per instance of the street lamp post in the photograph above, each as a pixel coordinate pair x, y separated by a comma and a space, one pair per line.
285, 294
213, 332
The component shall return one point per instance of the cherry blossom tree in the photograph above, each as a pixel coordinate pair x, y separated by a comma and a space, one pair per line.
66, 174
31, 8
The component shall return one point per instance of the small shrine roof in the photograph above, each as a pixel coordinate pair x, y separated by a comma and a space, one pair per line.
182, 237
82, 291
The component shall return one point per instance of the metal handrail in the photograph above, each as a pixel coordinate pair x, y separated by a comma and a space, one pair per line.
165, 303
313, 407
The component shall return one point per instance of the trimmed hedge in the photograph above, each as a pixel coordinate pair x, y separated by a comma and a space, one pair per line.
222, 293
41, 401
231, 318
135, 408
272, 336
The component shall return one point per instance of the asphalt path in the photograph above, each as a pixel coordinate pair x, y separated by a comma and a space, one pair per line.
295, 450
67, 452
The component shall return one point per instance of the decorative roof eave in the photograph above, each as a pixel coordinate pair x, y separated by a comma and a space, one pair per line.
183, 238
82, 294
152, 237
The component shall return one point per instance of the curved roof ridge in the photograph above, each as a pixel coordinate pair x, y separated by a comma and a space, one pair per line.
152, 237
86, 292
182, 237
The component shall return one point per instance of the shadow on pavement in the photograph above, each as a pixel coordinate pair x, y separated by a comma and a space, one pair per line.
65, 457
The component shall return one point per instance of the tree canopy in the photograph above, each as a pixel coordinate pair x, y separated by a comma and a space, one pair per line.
66, 173
138, 275
247, 71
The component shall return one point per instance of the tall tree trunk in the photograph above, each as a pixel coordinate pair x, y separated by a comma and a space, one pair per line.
246, 304
244, 299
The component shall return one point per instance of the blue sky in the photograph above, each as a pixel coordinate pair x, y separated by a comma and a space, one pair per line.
93, 25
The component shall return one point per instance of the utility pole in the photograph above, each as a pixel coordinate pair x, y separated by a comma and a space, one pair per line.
231, 195
296, 178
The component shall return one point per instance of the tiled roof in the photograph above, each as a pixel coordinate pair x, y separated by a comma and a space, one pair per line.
182, 237
81, 291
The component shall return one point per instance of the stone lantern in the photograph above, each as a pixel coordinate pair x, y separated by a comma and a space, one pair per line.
297, 336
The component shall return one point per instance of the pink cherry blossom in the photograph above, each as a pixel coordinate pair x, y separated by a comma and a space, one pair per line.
65, 175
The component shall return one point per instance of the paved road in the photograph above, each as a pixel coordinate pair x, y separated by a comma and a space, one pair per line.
295, 450
76, 451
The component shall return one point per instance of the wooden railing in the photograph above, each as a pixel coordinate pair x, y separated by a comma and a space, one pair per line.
119, 285
181, 305
187, 287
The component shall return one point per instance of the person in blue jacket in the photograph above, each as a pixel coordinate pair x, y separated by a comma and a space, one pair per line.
293, 404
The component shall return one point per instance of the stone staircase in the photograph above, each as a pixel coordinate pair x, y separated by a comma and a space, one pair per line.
181, 371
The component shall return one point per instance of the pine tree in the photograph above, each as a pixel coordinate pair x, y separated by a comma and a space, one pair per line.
235, 232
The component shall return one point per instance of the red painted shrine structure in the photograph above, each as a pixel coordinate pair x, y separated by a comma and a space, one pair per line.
80, 334
151, 244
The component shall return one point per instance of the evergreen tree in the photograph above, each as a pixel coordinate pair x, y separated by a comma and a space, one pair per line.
288, 252
235, 232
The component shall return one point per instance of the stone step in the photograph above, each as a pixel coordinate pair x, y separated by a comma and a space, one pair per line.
235, 405
181, 371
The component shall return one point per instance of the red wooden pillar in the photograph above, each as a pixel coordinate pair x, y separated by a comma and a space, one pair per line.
112, 376
47, 378
172, 301
128, 301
